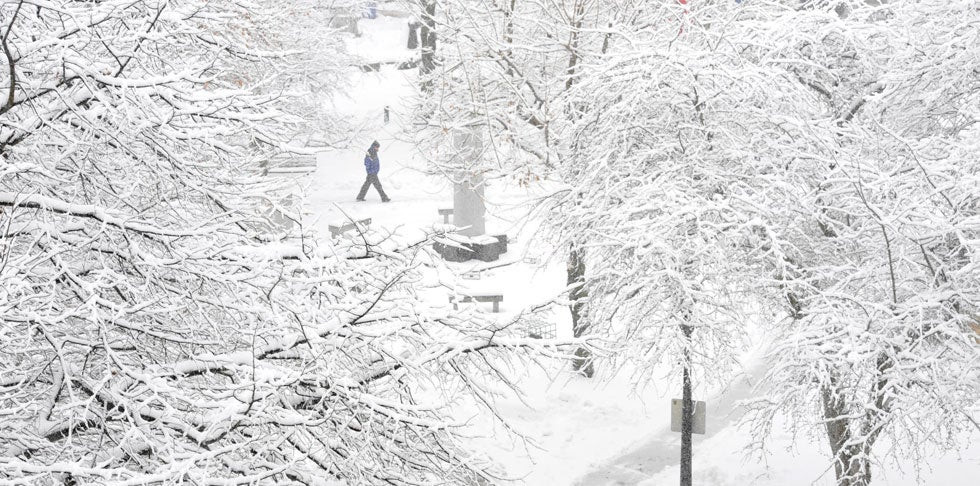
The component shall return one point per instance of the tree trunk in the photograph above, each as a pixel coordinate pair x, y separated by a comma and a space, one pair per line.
573, 45
582, 362
509, 33
428, 43
687, 416
851, 465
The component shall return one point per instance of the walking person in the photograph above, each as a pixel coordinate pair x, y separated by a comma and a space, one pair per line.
372, 165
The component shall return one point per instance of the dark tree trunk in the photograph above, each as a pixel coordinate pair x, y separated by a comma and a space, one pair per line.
428, 43
582, 362
687, 416
573, 45
509, 33
851, 466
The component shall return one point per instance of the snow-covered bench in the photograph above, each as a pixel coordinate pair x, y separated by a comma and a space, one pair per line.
340, 228
290, 164
374, 67
495, 298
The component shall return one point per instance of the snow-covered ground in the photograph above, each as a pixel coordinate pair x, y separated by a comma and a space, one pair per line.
578, 431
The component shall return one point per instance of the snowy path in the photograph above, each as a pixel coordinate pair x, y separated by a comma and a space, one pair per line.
340, 172
663, 448
416, 196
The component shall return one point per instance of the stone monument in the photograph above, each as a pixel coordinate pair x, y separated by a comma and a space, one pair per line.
469, 208
469, 205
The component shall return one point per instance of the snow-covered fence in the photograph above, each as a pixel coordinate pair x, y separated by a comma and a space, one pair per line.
541, 330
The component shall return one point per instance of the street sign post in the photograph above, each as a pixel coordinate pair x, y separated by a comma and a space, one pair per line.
676, 416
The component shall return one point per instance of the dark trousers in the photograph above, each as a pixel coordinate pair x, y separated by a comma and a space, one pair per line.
372, 179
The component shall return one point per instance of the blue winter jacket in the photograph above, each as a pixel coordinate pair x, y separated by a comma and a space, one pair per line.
372, 164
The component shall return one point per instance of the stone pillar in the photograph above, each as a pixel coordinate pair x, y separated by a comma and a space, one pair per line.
468, 188
469, 202
469, 207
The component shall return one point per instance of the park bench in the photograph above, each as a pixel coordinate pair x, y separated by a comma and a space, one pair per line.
496, 299
446, 213
338, 229
290, 164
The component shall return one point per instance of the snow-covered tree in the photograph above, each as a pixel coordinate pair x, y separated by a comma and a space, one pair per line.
872, 232
503, 67
659, 156
155, 327
814, 158
832, 153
